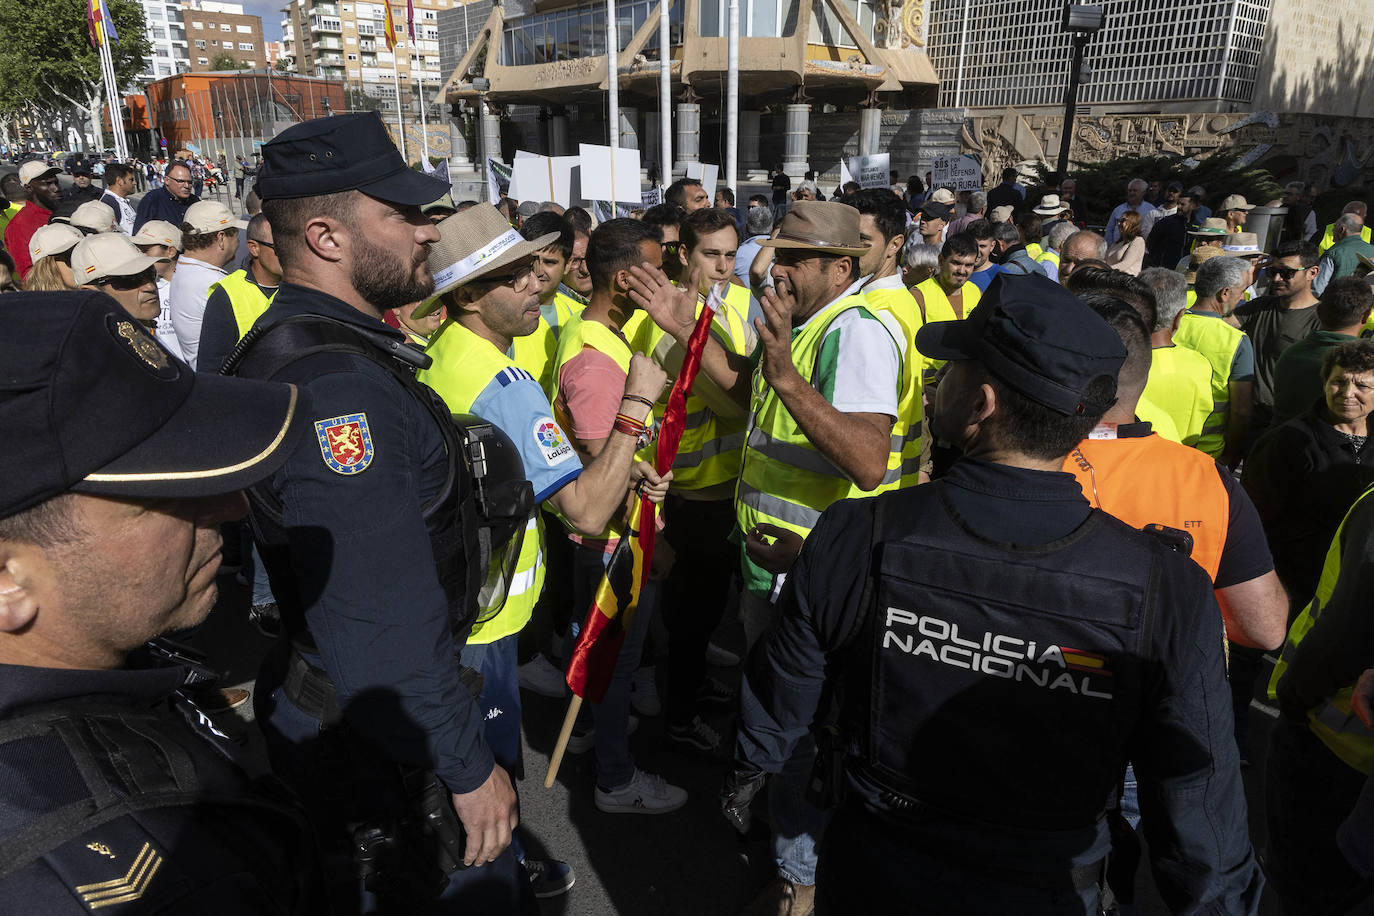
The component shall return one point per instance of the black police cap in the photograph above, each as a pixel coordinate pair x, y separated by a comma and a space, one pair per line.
350, 152
90, 402
1035, 336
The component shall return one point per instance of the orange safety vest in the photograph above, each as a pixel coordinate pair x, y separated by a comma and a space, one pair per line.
1146, 480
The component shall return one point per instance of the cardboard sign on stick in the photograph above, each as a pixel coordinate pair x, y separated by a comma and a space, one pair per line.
544, 178
705, 173
871, 171
958, 173
609, 174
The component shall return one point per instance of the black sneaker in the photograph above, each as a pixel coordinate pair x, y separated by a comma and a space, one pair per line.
549, 877
267, 618
696, 738
715, 692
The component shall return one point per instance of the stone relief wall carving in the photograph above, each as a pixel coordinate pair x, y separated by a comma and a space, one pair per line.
1329, 151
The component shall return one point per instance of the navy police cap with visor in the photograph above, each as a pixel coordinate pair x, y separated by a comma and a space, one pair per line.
1037, 338
349, 152
91, 403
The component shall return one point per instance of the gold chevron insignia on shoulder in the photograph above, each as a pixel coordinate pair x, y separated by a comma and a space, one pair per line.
130, 887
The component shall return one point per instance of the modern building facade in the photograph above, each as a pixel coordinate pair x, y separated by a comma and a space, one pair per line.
166, 32
218, 29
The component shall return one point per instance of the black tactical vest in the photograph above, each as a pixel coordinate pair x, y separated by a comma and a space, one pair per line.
995, 683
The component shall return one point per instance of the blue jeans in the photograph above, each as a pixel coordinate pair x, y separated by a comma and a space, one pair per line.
500, 708
798, 825
614, 765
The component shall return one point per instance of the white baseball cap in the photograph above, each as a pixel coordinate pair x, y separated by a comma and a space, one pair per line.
158, 232
54, 238
95, 216
36, 168
208, 216
108, 254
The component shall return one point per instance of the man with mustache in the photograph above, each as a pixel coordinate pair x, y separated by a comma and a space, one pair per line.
368, 535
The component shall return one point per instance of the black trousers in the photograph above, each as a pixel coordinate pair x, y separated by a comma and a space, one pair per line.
695, 593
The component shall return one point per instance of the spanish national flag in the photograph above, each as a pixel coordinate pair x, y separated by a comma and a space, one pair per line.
617, 597
390, 29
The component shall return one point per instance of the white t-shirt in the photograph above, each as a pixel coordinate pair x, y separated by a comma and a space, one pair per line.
166, 334
859, 368
189, 291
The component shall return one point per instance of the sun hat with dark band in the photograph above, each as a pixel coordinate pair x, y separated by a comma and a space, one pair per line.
1035, 336
471, 245
90, 402
823, 227
350, 152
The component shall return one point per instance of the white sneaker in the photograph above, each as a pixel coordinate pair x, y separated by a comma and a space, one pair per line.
644, 692
541, 676
581, 742
644, 794
716, 657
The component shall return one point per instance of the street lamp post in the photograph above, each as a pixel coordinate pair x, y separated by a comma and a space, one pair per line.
1082, 21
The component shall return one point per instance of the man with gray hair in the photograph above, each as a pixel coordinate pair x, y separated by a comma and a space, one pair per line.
1080, 247
1135, 200
1356, 207
977, 209
1341, 259
1010, 251
1058, 234
1180, 380
1219, 285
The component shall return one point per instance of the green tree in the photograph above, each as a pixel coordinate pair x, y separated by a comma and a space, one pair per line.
225, 61
357, 100
49, 64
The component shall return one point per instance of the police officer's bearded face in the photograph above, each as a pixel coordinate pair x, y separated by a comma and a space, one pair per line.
264, 252
577, 276
128, 571
960, 404
955, 269
713, 258
549, 268
390, 253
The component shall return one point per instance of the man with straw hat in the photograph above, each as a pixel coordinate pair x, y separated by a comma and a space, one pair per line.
485, 277
823, 401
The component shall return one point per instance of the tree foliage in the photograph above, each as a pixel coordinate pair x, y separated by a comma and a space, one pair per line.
225, 61
48, 50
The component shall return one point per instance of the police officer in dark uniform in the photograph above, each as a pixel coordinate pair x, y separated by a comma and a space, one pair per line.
367, 537
999, 650
120, 464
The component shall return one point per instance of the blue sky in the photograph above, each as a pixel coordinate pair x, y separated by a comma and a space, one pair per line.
270, 11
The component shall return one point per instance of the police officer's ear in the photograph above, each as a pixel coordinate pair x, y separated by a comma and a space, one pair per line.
20, 570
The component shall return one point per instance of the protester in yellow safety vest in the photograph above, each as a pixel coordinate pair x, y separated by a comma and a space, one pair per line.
490, 287
419, 330
948, 295
535, 352
1356, 207
1219, 285
576, 287
1320, 753
882, 224
1180, 382
236, 301
823, 400
699, 515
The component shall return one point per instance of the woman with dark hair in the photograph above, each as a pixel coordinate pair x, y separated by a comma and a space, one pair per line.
1128, 253
1304, 474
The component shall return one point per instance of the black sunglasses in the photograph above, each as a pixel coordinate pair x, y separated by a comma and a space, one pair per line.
134, 281
1287, 272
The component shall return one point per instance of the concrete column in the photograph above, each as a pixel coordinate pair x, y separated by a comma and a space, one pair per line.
798, 132
491, 134
629, 128
558, 134
749, 140
688, 147
870, 130
459, 159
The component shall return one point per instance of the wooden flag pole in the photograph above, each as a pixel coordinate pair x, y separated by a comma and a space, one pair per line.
561, 746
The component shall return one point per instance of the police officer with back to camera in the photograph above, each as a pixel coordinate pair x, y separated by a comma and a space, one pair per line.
116, 794
370, 534
1000, 650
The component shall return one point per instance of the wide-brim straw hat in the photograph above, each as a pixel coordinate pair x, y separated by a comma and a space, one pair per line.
824, 227
471, 245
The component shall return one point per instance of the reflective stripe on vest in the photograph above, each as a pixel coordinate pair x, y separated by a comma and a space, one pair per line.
937, 307
1332, 721
1218, 341
784, 479
464, 365
1180, 384
906, 431
712, 447
245, 298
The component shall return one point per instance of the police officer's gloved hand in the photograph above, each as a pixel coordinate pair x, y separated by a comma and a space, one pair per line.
741, 785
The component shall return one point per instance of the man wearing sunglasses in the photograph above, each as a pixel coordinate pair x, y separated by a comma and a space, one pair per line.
169, 202
210, 238
112, 264
236, 301
1282, 318
668, 218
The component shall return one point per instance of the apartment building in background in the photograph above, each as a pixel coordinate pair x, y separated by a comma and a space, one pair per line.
215, 29
167, 53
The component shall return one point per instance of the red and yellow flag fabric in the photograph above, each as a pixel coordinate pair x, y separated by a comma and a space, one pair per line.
390, 29
617, 597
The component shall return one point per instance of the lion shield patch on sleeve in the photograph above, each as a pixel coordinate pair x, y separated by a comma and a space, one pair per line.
346, 443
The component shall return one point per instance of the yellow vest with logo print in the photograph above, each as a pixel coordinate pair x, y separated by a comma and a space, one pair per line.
464, 365
1329, 237
784, 479
937, 307
1334, 721
906, 431
711, 447
245, 298
1218, 341
577, 334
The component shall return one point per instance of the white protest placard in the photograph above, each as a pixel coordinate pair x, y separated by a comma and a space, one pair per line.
706, 174
871, 171
651, 198
958, 173
609, 174
845, 177
542, 178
